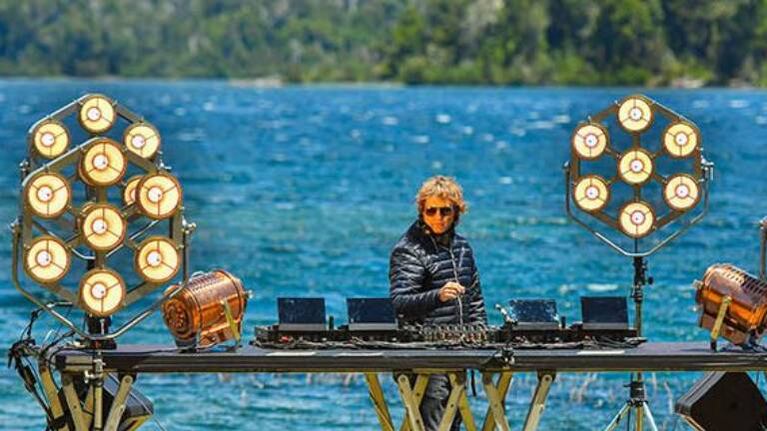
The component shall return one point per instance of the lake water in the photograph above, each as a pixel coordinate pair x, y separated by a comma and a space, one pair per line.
302, 191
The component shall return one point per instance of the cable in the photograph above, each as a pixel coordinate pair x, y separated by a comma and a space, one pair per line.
55, 343
16, 356
675, 423
58, 328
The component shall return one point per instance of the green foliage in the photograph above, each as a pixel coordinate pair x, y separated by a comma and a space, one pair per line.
501, 42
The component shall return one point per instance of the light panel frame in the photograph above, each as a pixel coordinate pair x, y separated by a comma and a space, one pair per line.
700, 171
29, 226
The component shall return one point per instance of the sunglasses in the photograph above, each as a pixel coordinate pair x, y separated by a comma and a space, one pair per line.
443, 211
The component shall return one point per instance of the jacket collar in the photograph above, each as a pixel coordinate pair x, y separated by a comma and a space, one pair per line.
444, 239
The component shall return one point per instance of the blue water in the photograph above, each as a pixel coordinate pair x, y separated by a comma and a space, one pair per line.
303, 190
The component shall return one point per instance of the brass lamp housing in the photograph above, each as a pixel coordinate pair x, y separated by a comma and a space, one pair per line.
746, 315
197, 315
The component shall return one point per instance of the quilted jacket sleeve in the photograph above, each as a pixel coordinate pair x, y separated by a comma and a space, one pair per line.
477, 313
407, 275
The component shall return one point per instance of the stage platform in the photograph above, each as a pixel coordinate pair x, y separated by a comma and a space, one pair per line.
412, 368
692, 356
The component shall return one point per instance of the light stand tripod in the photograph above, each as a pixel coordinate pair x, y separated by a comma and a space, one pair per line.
637, 400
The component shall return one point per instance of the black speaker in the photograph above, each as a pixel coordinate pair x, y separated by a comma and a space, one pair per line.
723, 401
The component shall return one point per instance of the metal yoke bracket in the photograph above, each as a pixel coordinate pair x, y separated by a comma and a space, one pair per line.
726, 301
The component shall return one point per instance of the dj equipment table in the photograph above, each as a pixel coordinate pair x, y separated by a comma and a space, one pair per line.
129, 360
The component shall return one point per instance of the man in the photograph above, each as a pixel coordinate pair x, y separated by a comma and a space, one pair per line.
434, 279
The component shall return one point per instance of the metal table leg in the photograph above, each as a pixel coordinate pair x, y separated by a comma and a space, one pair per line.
496, 398
419, 390
73, 403
458, 391
118, 404
88, 407
379, 402
537, 404
51, 392
412, 403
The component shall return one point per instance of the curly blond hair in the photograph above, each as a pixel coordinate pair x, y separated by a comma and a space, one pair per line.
444, 187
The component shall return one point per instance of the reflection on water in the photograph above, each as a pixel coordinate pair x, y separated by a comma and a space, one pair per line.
302, 191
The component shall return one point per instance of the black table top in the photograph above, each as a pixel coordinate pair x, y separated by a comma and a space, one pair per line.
686, 356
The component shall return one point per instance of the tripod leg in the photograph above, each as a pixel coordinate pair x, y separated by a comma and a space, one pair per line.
618, 417
650, 419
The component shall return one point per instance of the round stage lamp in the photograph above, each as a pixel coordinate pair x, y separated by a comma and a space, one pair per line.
158, 196
47, 260
48, 195
103, 228
102, 292
157, 260
103, 164
142, 139
589, 141
635, 166
129, 192
50, 139
680, 139
591, 193
681, 192
634, 114
97, 114
636, 219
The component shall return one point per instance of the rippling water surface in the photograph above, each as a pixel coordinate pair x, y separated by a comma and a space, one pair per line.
303, 190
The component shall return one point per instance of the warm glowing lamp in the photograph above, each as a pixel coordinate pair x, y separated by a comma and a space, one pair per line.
50, 139
103, 163
97, 114
680, 139
636, 219
142, 139
158, 196
47, 260
102, 292
591, 193
48, 195
681, 192
157, 259
103, 227
635, 166
590, 140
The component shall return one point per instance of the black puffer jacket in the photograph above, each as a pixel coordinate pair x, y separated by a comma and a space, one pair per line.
421, 263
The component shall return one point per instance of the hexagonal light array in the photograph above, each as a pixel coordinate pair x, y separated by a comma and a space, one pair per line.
636, 167
55, 167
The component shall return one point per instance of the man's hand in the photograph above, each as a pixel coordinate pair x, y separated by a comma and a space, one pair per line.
450, 291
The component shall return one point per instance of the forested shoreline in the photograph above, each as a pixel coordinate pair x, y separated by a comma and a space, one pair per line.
495, 42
